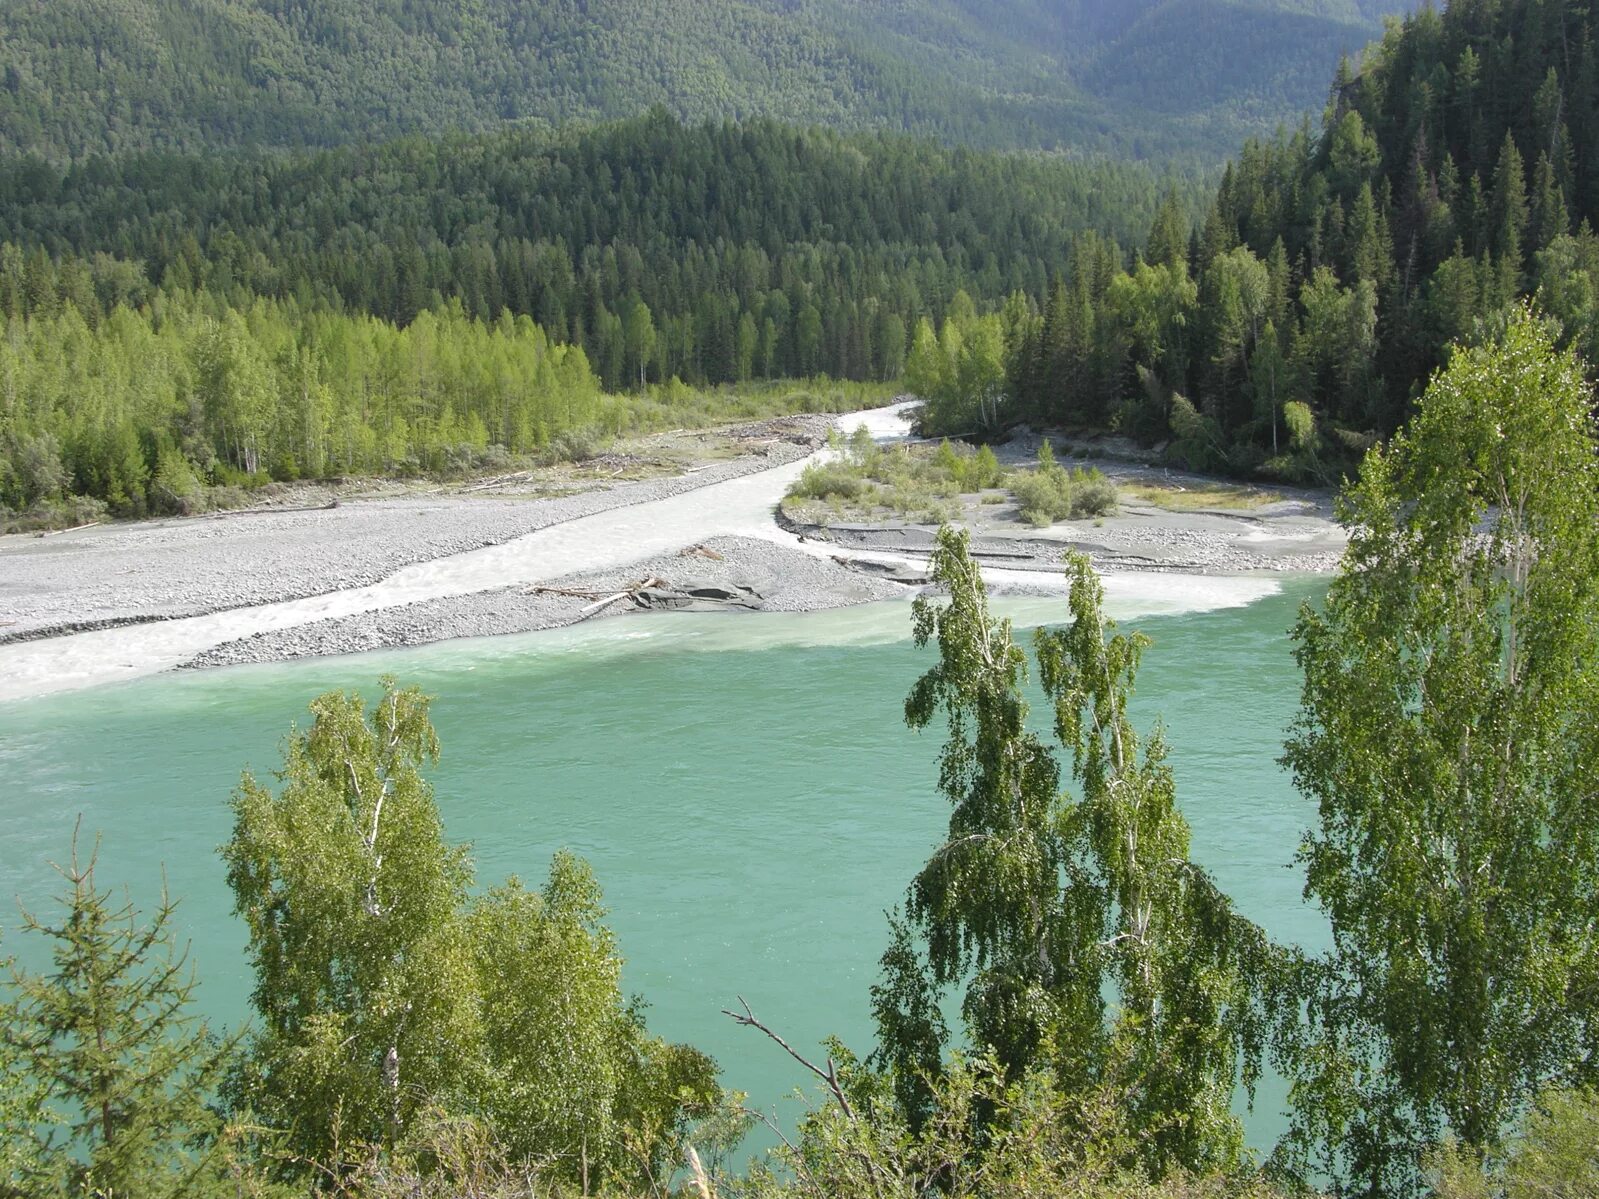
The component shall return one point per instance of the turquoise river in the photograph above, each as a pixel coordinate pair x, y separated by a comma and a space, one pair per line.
745, 788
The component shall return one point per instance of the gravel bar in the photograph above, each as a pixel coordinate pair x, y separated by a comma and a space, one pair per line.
121, 574
781, 580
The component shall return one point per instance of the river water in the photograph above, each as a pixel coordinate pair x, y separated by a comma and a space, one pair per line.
744, 787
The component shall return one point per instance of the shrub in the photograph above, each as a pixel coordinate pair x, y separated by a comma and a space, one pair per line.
1044, 495
825, 480
1301, 424
64, 513
1555, 1153
862, 449
1092, 493
176, 489
224, 498
983, 470
574, 445
967, 470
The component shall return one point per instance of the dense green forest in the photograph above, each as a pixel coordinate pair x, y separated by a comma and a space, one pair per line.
1455, 171
408, 307
706, 224
143, 409
1186, 76
1280, 329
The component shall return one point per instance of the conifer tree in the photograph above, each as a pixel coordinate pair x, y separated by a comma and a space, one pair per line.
1168, 237
108, 1034
1509, 205
27, 1165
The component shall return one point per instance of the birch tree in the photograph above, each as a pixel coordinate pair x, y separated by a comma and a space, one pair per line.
352, 897
1447, 736
1086, 939
388, 997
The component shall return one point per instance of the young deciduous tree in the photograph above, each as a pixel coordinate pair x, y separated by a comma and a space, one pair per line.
1089, 944
364, 980
1447, 734
389, 1001
573, 1076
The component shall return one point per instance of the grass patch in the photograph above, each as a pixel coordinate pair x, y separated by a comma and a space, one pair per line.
1172, 498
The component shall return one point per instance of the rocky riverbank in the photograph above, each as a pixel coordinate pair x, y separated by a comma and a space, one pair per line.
721, 574
494, 557
132, 573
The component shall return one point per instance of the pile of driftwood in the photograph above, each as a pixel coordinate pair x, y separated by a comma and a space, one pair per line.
656, 592
601, 600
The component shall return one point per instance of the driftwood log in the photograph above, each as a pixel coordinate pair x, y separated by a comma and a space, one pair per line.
73, 529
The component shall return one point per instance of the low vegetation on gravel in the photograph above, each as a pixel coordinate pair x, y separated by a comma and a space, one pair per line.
1197, 497
932, 485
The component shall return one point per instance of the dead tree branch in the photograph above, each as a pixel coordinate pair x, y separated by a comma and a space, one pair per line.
828, 1076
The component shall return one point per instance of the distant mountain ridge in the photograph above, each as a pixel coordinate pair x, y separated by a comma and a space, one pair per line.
1132, 77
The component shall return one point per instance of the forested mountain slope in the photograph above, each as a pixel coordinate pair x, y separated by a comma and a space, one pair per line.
1128, 76
757, 249
1457, 172
176, 319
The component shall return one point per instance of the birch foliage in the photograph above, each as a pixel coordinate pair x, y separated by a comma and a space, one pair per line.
1086, 940
1447, 736
391, 1000
352, 898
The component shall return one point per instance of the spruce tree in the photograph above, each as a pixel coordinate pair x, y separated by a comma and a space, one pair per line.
128, 1071
1509, 206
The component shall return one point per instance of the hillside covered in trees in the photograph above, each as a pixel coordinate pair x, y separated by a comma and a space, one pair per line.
410, 305
1126, 76
1455, 171
1279, 329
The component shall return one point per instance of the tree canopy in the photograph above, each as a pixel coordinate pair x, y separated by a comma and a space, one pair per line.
1129, 76
1446, 735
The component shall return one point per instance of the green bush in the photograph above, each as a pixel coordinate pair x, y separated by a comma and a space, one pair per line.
983, 470
1554, 1155
175, 489
863, 451
1092, 493
64, 513
574, 445
1043, 494
1049, 492
827, 480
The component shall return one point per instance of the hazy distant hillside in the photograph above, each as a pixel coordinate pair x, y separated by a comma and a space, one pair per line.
1126, 76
